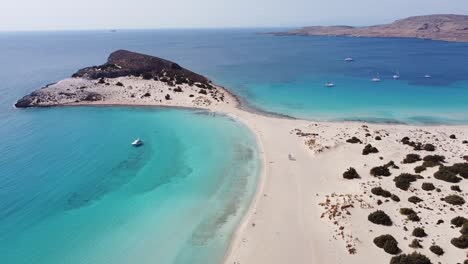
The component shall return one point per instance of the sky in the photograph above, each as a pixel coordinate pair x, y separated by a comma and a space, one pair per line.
18, 15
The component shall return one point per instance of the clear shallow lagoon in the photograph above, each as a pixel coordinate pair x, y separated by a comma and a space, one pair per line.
73, 189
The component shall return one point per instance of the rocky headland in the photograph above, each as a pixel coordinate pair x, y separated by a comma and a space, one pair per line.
436, 27
129, 78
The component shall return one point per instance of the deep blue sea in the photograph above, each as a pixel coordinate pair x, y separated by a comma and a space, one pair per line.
72, 189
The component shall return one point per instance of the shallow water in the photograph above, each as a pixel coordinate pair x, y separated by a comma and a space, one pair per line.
73, 189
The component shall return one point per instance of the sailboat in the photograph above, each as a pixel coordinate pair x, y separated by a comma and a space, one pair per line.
329, 84
396, 76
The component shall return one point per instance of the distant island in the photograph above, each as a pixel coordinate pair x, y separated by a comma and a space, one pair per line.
452, 28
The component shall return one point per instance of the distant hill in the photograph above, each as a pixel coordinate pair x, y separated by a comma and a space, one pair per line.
437, 27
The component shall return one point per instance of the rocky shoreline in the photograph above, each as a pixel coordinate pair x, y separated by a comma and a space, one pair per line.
453, 28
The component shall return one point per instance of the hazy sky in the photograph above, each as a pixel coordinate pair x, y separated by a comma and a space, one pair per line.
105, 14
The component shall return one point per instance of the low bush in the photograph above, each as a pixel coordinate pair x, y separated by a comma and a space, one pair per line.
455, 188
436, 250
458, 221
378, 138
414, 217
178, 89
167, 97
381, 192
427, 186
415, 244
461, 169
395, 198
446, 174
147, 76
454, 200
380, 218
406, 211
119, 84
419, 169
354, 140
351, 173
404, 180
380, 171
429, 147
411, 158
202, 91
388, 243
413, 258
460, 242
464, 229
368, 149
419, 232
453, 136
414, 199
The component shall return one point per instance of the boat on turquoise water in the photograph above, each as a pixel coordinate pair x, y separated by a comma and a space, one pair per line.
329, 84
396, 76
376, 78
427, 76
349, 59
137, 142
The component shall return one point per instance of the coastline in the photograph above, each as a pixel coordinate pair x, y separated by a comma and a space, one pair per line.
301, 175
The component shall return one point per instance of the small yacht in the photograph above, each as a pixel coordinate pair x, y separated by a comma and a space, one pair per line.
349, 59
396, 76
376, 78
329, 84
138, 142
427, 76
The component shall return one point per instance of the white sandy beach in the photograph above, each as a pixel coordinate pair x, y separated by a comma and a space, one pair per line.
297, 215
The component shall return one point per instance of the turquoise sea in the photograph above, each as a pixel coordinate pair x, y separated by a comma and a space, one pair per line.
73, 190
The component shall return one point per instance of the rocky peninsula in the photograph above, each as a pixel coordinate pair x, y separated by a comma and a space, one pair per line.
436, 27
345, 192
129, 78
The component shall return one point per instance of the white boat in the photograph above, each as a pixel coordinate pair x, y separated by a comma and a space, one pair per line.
137, 142
427, 76
396, 76
349, 59
376, 78
329, 84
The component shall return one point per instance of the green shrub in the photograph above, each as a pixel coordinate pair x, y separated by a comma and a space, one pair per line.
381, 192
380, 171
415, 244
354, 140
351, 173
436, 250
202, 91
412, 158
434, 158
413, 258
419, 232
378, 138
414, 199
119, 84
429, 147
446, 174
414, 217
419, 169
147, 76
395, 198
464, 229
406, 211
388, 243
380, 218
454, 199
404, 180
460, 242
427, 186
458, 221
455, 188
368, 149
453, 136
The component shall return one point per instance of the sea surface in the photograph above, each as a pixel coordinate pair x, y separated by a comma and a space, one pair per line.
73, 190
